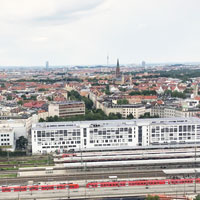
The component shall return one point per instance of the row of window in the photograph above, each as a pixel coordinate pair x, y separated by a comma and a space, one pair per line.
174, 129
58, 143
4, 135
5, 139
58, 147
52, 134
110, 141
172, 134
4, 144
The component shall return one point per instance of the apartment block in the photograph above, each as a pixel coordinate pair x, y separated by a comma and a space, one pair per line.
66, 109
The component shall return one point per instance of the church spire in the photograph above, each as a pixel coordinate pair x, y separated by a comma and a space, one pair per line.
117, 62
117, 69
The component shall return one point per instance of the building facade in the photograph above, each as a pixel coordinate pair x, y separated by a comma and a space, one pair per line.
7, 139
167, 112
136, 110
59, 136
66, 109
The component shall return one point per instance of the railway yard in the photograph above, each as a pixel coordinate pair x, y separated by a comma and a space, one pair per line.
114, 168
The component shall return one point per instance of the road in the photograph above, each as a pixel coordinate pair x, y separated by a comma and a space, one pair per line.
92, 193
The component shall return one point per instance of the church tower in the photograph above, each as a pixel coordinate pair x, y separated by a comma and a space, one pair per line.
117, 69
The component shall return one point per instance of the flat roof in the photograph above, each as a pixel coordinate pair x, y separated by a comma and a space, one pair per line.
67, 102
116, 123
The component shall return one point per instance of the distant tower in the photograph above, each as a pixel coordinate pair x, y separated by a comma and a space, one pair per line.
143, 64
117, 69
107, 60
47, 65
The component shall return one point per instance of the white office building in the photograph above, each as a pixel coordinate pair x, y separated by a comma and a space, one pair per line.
7, 139
58, 136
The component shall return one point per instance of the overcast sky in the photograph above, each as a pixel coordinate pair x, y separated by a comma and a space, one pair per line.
83, 32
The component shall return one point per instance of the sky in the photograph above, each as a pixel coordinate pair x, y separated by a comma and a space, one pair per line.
84, 32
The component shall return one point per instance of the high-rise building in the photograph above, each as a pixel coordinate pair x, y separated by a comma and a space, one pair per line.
47, 65
117, 69
107, 60
143, 64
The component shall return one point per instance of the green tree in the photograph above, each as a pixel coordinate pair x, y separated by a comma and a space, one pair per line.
122, 101
42, 90
50, 98
9, 97
150, 197
107, 90
24, 97
41, 120
197, 197
33, 98
144, 92
74, 95
178, 94
88, 103
133, 93
3, 85
21, 143
130, 116
20, 102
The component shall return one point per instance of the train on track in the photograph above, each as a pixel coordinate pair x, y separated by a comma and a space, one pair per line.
177, 161
130, 152
38, 187
75, 159
100, 184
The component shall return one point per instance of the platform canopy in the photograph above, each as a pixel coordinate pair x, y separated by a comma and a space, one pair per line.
181, 171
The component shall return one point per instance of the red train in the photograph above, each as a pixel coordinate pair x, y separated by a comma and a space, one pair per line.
141, 182
38, 187
99, 184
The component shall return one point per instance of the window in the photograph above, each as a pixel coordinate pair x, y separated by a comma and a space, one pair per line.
84, 132
39, 133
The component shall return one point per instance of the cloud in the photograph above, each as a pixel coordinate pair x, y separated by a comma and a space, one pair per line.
46, 11
74, 11
83, 31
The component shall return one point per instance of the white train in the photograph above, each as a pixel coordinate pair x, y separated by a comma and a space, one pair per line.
126, 157
132, 163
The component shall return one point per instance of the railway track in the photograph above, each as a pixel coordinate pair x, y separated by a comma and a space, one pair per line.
75, 177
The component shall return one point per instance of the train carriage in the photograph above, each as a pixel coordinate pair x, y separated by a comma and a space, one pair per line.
61, 186
47, 187
181, 181
33, 188
6, 189
19, 188
73, 186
